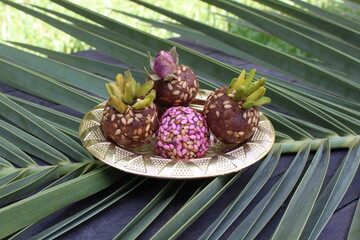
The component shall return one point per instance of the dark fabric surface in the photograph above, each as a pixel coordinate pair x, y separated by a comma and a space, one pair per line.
110, 221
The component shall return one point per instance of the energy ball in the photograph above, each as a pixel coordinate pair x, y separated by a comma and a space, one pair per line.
182, 134
130, 116
231, 112
175, 85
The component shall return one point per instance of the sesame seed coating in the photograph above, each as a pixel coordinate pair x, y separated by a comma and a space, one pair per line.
180, 91
228, 121
127, 131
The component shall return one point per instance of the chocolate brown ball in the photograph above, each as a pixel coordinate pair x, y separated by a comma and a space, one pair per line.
228, 121
132, 128
179, 91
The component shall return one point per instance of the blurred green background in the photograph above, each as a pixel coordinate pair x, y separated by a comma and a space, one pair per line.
17, 26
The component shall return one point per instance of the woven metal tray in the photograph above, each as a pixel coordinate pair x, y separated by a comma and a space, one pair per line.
220, 159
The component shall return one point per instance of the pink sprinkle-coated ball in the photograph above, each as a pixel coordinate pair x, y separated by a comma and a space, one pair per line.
183, 134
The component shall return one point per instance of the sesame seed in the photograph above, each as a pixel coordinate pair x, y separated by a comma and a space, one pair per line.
179, 78
147, 127
170, 87
212, 106
184, 68
249, 121
244, 115
130, 120
179, 71
123, 121
184, 84
113, 117
217, 113
220, 94
227, 106
229, 132
226, 102
146, 134
173, 82
177, 92
138, 115
241, 133
135, 131
254, 128
117, 132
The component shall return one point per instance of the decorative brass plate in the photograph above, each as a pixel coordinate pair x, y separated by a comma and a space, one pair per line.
220, 159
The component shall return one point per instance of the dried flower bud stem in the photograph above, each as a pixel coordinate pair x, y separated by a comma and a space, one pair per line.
263, 100
148, 85
256, 95
255, 86
120, 80
117, 104
128, 97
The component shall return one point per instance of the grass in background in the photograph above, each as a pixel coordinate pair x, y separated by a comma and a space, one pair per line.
16, 26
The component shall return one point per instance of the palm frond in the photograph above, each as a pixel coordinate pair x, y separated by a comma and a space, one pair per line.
44, 168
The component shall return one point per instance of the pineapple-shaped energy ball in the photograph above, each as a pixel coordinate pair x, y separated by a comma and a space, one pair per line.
130, 116
232, 112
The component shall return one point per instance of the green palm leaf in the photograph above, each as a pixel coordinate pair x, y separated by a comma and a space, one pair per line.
27, 209
42, 162
309, 73
225, 220
354, 232
334, 58
346, 33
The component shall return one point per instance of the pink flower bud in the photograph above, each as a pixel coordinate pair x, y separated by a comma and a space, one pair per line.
164, 64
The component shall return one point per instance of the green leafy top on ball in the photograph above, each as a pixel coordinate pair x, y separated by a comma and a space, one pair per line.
249, 92
126, 91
